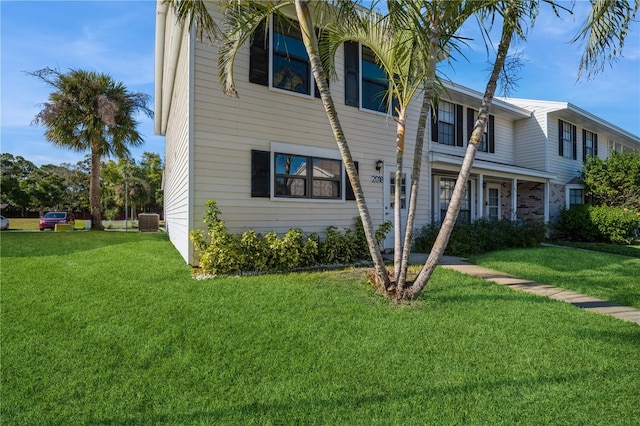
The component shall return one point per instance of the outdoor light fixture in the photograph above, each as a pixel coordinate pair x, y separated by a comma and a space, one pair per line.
379, 165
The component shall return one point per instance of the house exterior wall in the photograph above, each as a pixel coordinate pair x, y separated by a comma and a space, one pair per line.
177, 194
225, 130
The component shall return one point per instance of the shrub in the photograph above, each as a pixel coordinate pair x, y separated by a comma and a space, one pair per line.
482, 236
586, 223
224, 253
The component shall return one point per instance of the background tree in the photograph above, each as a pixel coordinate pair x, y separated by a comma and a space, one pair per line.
16, 172
46, 189
89, 111
153, 169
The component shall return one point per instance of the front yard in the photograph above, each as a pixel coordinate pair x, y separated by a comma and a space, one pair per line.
110, 328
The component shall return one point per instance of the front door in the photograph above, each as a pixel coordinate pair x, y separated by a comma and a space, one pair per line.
389, 204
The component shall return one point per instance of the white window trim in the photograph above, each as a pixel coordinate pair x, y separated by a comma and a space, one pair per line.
312, 80
567, 193
306, 151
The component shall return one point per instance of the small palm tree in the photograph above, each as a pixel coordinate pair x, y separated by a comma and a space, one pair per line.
89, 111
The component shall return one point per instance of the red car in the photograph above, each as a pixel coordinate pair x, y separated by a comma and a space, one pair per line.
49, 220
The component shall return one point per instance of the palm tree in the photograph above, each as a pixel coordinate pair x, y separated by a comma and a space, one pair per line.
409, 54
89, 111
605, 31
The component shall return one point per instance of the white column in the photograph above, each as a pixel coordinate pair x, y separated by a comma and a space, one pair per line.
546, 201
514, 199
480, 211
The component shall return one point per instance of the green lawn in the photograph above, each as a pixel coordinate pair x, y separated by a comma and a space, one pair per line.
109, 328
608, 276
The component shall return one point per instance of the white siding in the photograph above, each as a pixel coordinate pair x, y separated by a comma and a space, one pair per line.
176, 175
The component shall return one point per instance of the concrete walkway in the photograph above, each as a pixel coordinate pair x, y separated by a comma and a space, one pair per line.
576, 299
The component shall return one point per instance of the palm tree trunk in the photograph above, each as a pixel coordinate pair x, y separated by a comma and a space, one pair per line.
511, 14
94, 188
401, 279
311, 44
397, 208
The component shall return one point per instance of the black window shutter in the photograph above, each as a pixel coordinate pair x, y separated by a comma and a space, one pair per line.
584, 145
470, 122
351, 74
560, 140
349, 194
260, 173
459, 126
491, 134
259, 56
575, 142
595, 145
434, 123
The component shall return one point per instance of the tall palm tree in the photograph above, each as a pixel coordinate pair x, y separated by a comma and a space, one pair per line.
409, 54
89, 111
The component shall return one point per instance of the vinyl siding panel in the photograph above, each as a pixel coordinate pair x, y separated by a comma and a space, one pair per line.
176, 177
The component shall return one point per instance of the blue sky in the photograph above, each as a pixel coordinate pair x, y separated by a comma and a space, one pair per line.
117, 38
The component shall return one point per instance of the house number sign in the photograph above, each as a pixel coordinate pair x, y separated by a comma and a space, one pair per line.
377, 179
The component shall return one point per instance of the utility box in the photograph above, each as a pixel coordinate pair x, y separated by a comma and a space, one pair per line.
63, 227
148, 222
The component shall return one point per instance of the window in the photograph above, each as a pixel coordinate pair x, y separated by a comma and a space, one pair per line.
365, 81
493, 202
446, 193
589, 145
446, 126
567, 140
307, 177
575, 196
307, 174
290, 66
403, 191
446, 123
487, 144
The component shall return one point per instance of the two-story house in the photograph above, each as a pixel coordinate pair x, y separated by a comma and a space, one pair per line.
270, 161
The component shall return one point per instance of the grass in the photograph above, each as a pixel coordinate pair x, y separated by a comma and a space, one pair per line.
109, 328
31, 224
632, 250
604, 275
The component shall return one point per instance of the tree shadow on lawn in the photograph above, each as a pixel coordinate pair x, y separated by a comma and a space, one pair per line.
36, 244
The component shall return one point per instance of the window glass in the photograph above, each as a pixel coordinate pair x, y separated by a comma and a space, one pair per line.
291, 68
575, 197
446, 123
589, 138
374, 82
446, 193
403, 191
567, 139
294, 178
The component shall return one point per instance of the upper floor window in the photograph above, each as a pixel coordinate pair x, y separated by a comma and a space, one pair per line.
487, 144
446, 126
365, 82
283, 48
567, 140
589, 145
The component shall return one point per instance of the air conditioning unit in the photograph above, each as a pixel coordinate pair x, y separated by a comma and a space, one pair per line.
148, 222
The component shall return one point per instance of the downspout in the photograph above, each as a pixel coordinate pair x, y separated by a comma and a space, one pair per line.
161, 22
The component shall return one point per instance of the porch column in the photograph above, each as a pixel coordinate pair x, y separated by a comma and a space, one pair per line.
546, 201
480, 212
514, 199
